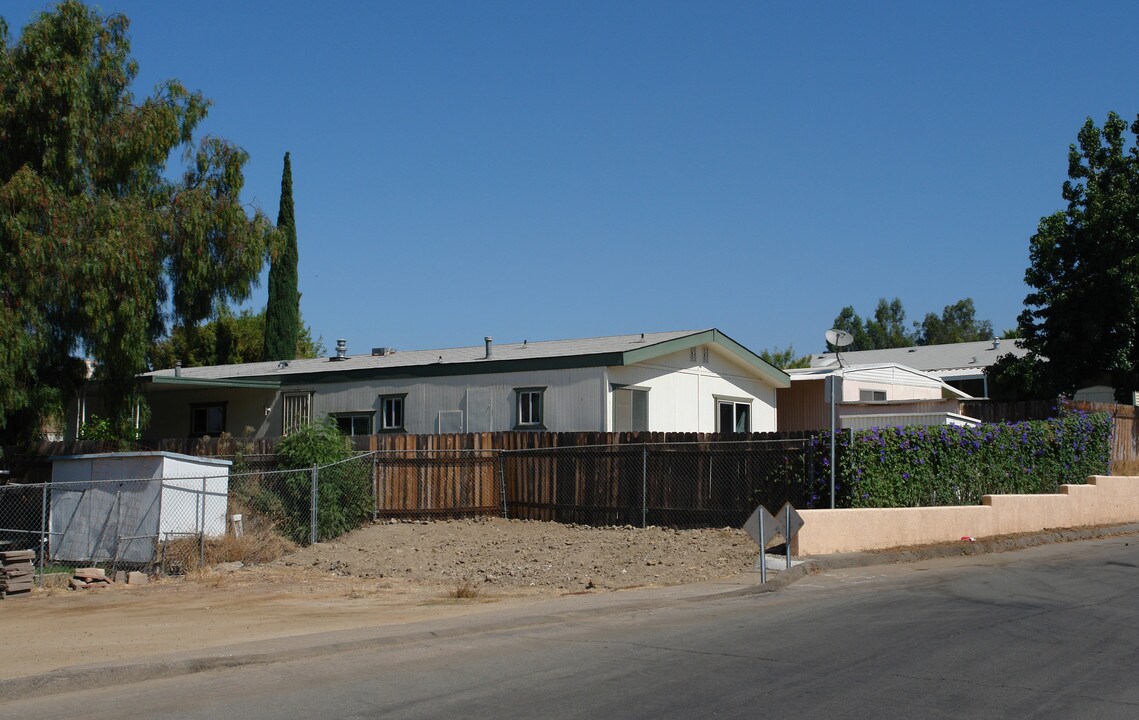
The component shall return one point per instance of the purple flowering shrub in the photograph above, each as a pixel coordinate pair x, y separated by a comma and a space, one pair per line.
956, 465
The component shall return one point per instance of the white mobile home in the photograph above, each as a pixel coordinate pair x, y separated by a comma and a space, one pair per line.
690, 381
893, 394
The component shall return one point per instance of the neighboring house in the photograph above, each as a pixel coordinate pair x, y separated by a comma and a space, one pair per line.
692, 381
961, 365
868, 395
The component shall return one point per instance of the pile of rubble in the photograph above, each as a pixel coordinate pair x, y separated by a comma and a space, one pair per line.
84, 578
94, 578
17, 571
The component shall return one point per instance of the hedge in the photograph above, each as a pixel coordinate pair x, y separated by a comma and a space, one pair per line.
958, 465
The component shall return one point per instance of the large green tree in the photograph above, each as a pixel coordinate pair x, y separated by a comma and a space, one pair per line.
1083, 312
956, 324
226, 339
887, 329
283, 311
99, 247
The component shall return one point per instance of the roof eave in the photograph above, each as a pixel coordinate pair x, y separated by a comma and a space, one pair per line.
769, 372
190, 382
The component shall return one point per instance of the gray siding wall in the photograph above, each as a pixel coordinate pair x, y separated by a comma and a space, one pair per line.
574, 399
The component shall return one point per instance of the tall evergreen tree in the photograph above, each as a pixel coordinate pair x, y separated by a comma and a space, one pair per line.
283, 311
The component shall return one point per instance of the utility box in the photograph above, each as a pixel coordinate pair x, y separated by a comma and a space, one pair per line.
119, 506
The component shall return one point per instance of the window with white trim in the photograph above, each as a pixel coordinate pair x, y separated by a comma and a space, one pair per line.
871, 395
530, 408
733, 416
297, 411
630, 409
391, 413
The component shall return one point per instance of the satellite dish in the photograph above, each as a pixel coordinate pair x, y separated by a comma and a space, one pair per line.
839, 338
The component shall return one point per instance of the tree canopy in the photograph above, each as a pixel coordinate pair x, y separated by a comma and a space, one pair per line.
956, 324
784, 359
887, 329
225, 340
99, 248
1083, 312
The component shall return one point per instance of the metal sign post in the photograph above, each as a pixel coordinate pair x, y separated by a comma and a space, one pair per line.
791, 522
761, 527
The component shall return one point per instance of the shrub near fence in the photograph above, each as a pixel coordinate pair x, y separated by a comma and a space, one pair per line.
915, 466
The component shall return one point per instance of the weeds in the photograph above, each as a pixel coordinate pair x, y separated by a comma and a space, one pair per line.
261, 546
464, 590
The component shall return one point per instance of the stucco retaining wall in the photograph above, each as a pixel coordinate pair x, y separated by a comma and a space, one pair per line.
1104, 500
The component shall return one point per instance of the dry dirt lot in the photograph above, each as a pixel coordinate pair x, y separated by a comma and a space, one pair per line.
494, 554
378, 575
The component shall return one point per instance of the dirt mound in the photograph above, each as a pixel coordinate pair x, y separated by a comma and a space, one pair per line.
494, 552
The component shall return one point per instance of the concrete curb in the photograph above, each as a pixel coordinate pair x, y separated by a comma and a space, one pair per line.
78, 678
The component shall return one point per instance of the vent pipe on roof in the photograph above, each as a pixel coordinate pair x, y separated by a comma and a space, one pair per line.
177, 368
341, 349
996, 343
489, 341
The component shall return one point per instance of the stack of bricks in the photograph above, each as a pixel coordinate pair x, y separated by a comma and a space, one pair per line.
91, 577
17, 571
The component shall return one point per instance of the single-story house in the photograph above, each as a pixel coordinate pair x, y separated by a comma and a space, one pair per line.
689, 381
961, 365
868, 395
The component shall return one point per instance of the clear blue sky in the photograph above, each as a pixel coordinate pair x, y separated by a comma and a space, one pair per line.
538, 170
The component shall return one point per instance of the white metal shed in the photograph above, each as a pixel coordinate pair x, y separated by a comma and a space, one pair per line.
118, 506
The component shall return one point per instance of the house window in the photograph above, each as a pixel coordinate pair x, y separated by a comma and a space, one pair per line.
630, 409
354, 423
297, 411
871, 395
733, 416
207, 419
530, 408
391, 413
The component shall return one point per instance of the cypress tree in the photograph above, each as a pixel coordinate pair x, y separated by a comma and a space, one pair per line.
283, 311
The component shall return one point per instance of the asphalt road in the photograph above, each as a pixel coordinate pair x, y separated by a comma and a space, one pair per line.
1048, 632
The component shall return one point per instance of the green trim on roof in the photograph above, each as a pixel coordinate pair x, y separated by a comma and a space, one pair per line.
774, 375
709, 337
200, 382
449, 369
648, 351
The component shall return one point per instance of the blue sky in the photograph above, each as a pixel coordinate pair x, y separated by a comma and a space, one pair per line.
537, 170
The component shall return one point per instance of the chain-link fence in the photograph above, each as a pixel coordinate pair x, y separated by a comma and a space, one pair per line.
176, 524
122, 522
698, 484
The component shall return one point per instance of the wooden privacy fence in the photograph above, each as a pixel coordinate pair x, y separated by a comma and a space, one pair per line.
433, 476
673, 479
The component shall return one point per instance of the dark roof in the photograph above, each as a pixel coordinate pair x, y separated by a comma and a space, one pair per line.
609, 351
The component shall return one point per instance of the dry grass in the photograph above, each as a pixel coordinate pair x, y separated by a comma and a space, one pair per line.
464, 590
251, 548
